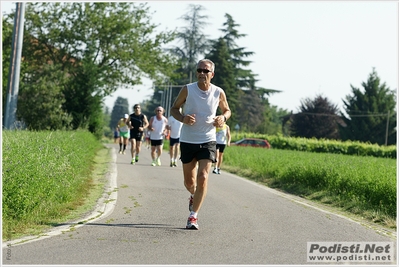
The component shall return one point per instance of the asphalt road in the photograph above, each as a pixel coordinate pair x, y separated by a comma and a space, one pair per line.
142, 217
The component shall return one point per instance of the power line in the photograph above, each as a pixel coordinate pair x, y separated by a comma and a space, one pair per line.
351, 115
370, 115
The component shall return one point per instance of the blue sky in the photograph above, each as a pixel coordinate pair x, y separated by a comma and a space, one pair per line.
302, 48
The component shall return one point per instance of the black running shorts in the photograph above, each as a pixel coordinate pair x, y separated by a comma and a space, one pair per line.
136, 135
197, 151
221, 147
156, 142
173, 141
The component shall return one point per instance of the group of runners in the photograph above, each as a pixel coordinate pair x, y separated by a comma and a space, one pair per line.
136, 128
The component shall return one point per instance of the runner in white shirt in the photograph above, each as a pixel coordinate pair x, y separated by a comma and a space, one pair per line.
201, 101
223, 138
174, 126
158, 130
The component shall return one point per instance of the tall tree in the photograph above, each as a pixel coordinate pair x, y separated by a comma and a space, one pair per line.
107, 130
41, 99
371, 115
246, 81
272, 123
249, 103
6, 52
224, 75
102, 46
193, 42
317, 118
121, 107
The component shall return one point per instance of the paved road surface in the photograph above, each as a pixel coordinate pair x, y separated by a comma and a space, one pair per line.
240, 223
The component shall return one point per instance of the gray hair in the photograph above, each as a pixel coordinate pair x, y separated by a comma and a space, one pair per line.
159, 107
207, 61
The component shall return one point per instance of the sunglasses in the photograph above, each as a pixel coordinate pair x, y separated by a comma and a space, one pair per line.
203, 70
158, 110
136, 107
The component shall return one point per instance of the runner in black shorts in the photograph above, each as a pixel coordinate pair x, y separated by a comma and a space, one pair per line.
200, 101
223, 138
138, 122
174, 127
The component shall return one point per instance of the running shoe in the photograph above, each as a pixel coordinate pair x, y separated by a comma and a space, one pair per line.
192, 223
190, 203
171, 164
153, 163
174, 164
120, 152
215, 171
159, 162
124, 152
137, 158
219, 171
133, 162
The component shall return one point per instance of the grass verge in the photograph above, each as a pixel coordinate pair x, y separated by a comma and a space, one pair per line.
364, 187
58, 177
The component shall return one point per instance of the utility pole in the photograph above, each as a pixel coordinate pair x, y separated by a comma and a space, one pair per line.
386, 130
15, 66
167, 96
170, 100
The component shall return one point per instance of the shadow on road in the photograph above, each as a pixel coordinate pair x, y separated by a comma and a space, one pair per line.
129, 225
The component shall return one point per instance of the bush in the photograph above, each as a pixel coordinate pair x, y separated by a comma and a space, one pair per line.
323, 145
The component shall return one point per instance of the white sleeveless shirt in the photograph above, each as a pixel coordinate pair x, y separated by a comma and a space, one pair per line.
159, 127
175, 127
204, 105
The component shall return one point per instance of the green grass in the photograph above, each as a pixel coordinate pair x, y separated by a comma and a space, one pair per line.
46, 176
365, 186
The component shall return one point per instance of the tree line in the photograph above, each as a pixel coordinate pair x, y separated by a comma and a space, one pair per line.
76, 54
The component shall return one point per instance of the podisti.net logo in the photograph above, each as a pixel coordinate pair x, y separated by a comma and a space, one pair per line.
377, 252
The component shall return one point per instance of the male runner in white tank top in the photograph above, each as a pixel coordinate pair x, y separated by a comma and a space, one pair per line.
157, 126
198, 134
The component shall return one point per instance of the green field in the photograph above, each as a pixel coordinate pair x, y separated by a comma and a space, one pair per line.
361, 185
49, 177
